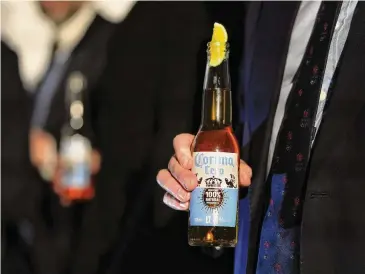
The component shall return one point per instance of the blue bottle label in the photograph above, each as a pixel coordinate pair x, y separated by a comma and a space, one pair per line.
76, 176
75, 157
214, 201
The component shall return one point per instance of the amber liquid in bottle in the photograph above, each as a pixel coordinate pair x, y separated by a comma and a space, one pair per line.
213, 214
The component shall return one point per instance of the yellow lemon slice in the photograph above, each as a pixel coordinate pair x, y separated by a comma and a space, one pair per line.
218, 45
219, 33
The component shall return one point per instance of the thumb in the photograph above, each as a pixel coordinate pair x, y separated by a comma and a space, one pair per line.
182, 146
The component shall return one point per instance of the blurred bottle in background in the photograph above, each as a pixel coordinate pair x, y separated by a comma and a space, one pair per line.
75, 182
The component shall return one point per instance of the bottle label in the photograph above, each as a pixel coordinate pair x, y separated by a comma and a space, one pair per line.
214, 201
75, 157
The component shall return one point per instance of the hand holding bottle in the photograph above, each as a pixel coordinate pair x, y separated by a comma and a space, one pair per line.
69, 193
43, 153
44, 156
178, 180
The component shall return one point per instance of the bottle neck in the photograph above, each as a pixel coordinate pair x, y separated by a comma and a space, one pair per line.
74, 103
217, 97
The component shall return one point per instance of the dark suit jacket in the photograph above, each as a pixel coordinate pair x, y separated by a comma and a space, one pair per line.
333, 221
17, 176
21, 188
142, 81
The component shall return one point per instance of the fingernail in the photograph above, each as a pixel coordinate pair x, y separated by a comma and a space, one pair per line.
165, 199
168, 201
184, 206
174, 205
159, 183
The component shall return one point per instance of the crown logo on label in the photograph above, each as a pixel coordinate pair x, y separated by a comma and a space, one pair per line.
213, 182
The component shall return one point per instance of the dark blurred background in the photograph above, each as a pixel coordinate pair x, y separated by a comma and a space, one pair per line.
142, 65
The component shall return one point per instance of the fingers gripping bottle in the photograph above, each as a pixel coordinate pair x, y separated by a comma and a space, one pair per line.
214, 203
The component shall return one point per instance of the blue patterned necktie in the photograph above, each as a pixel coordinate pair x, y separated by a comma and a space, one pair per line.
279, 241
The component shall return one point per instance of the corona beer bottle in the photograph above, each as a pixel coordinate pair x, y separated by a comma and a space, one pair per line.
214, 203
75, 149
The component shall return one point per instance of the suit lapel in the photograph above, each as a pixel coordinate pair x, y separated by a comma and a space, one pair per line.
348, 98
271, 48
261, 92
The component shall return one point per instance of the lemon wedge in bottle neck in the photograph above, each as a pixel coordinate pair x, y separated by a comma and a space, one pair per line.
217, 47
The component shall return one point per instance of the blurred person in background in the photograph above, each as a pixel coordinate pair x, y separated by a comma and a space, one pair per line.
139, 60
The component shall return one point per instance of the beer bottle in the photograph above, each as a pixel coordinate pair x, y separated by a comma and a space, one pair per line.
214, 203
75, 149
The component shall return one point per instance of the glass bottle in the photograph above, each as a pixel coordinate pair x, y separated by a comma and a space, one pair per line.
75, 149
214, 203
